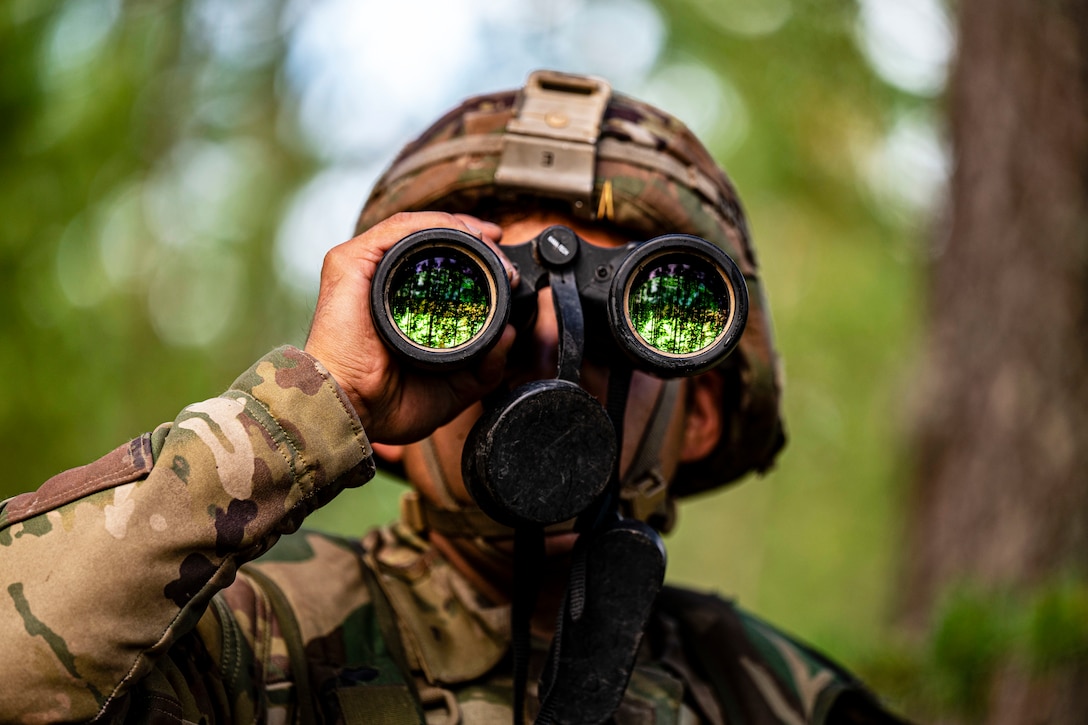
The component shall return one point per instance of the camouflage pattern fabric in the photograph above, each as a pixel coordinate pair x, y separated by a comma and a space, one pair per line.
104, 568
131, 594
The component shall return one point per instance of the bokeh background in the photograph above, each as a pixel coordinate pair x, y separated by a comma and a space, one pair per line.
172, 172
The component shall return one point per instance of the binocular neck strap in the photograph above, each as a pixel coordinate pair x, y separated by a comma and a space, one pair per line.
568, 315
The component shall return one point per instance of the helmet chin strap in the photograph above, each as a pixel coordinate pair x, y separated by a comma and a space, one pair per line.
643, 488
438, 476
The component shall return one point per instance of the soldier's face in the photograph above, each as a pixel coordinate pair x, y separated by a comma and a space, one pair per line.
434, 468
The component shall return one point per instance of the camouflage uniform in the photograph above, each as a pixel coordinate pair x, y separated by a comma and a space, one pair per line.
128, 594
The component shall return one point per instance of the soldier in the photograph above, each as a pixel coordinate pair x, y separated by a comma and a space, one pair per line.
145, 586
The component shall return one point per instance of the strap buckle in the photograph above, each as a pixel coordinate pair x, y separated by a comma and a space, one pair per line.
411, 512
647, 497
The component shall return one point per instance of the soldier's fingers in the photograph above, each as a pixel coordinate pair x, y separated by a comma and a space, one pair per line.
491, 234
379, 239
489, 231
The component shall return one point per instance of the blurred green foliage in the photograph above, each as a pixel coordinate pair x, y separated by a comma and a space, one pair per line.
100, 289
980, 634
130, 291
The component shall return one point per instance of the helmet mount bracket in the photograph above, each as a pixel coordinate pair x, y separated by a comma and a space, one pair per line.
550, 145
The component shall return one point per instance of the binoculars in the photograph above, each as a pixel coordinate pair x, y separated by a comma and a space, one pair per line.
674, 305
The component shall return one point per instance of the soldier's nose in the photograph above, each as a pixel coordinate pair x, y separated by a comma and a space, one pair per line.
536, 353
545, 338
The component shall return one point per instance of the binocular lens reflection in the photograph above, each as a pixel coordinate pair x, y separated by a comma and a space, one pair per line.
440, 298
676, 307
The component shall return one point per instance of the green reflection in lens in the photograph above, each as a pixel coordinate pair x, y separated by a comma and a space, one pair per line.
676, 307
439, 298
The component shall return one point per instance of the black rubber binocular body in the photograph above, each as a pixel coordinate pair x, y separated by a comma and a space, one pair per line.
674, 305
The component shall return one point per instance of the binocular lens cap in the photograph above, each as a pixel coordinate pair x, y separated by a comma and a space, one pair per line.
542, 456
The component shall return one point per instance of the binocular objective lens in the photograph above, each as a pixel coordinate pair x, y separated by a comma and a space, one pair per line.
676, 306
440, 298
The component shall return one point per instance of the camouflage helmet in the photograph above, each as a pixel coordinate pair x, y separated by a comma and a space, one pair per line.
568, 141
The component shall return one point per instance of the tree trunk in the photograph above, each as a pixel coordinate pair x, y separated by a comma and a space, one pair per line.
1001, 493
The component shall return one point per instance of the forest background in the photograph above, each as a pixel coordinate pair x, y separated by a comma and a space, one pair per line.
171, 173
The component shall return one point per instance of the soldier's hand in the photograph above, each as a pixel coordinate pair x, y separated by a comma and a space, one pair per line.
396, 403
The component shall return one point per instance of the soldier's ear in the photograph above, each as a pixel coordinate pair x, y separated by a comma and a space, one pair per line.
388, 452
702, 416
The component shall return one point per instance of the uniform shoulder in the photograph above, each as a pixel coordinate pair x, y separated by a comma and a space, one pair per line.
759, 672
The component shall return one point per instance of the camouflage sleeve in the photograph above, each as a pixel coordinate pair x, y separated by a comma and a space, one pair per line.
106, 566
